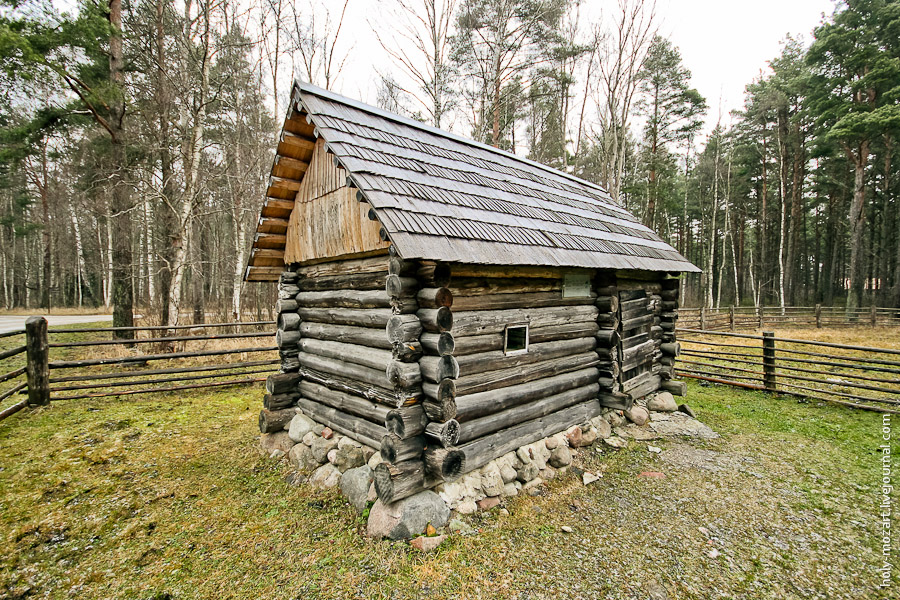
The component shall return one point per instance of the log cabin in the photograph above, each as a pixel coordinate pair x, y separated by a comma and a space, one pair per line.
445, 302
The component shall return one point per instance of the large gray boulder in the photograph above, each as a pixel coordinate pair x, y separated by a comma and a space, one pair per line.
407, 518
663, 402
321, 447
349, 457
355, 486
302, 459
279, 440
326, 476
299, 427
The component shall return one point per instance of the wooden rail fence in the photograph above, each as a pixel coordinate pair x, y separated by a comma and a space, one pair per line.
743, 318
103, 376
856, 376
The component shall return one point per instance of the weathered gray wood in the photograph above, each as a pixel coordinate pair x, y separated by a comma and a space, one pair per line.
363, 336
607, 304
607, 338
648, 385
394, 449
444, 463
403, 328
445, 433
670, 305
480, 286
373, 264
406, 422
404, 375
472, 384
639, 353
396, 481
481, 451
439, 344
400, 287
677, 388
492, 361
435, 275
344, 299
288, 321
519, 300
342, 401
437, 368
286, 339
611, 354
271, 421
638, 303
365, 375
482, 322
616, 400
494, 341
407, 351
351, 281
608, 321
280, 401
440, 400
436, 320
373, 317
286, 292
374, 358
628, 325
434, 297
361, 430
487, 424
671, 348
391, 398
37, 367
480, 404
281, 383
670, 295
286, 305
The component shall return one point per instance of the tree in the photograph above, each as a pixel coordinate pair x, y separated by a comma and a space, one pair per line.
673, 109
854, 93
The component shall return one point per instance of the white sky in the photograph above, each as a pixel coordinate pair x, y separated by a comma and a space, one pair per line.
725, 43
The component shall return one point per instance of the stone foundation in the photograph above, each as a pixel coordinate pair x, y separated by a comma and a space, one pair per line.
326, 459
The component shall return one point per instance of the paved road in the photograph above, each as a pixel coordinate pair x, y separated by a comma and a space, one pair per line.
13, 322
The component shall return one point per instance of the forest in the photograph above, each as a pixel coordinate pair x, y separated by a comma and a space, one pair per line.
136, 139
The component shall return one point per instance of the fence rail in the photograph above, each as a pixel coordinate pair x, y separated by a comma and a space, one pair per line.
838, 373
743, 318
107, 374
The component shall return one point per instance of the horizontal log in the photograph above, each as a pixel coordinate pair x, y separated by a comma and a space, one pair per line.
607, 338
396, 481
400, 287
480, 404
507, 271
271, 421
440, 400
434, 298
344, 299
495, 360
361, 430
676, 388
372, 264
404, 375
284, 306
611, 354
518, 300
670, 295
671, 348
481, 382
362, 336
407, 351
615, 400
608, 321
288, 321
394, 449
280, 383
445, 433
365, 375
349, 403
350, 281
286, 339
286, 292
607, 304
481, 451
374, 358
642, 385
439, 344
491, 423
444, 463
638, 303
480, 286
406, 422
485, 322
280, 401
435, 320
436, 275
390, 398
629, 324
438, 368
403, 328
398, 266
376, 317
669, 305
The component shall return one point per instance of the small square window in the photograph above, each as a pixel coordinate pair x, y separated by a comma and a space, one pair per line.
516, 340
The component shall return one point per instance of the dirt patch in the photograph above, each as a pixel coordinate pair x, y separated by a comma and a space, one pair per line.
686, 456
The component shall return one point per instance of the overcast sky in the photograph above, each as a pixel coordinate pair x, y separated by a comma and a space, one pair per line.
725, 43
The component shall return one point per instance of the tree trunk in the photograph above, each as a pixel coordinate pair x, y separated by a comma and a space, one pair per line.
860, 158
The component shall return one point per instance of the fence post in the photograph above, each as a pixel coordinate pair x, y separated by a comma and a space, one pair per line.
769, 361
37, 351
761, 309
731, 317
818, 316
702, 317
873, 316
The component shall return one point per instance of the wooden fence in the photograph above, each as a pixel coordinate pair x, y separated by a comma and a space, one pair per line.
856, 376
743, 318
46, 379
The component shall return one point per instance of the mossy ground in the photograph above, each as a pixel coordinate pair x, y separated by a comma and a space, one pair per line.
166, 496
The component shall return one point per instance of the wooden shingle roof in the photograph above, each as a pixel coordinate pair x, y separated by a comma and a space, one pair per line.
443, 197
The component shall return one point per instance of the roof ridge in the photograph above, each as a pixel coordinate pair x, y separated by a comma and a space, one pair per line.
329, 95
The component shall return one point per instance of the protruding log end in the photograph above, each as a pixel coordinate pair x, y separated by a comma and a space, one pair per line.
447, 433
444, 463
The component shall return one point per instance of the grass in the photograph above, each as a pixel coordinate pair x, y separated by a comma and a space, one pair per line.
166, 496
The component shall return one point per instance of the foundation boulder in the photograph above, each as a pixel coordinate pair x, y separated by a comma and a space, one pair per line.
407, 518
